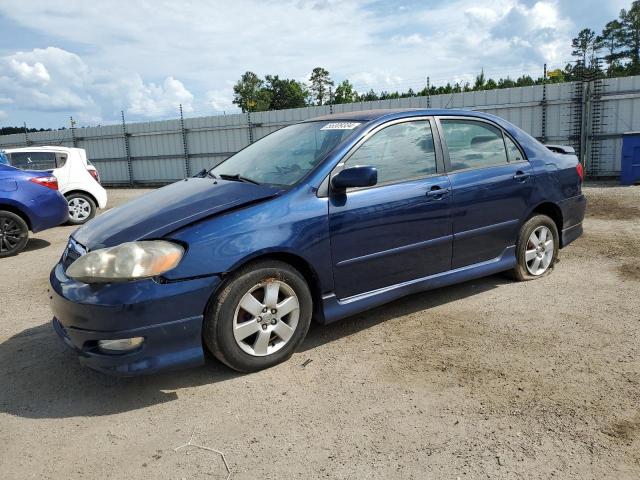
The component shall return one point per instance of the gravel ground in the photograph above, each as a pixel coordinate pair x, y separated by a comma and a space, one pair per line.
487, 379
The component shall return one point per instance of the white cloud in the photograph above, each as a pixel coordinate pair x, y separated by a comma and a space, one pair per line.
151, 56
53, 79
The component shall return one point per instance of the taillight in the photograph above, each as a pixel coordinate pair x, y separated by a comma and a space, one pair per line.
49, 182
94, 174
580, 170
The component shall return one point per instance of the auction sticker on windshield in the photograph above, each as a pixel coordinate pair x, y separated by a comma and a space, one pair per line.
340, 126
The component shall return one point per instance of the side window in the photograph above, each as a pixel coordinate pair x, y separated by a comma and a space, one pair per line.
473, 144
400, 152
61, 160
513, 152
33, 160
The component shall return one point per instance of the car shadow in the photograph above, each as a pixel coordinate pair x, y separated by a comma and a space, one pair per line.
36, 244
41, 378
417, 302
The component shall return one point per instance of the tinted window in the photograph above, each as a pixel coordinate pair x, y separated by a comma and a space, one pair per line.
513, 152
33, 160
399, 152
473, 144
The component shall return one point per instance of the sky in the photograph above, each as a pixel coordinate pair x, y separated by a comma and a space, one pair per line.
93, 59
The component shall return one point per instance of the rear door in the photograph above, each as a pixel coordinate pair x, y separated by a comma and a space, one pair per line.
400, 229
491, 184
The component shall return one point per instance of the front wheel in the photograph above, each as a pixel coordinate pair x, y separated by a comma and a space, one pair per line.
537, 248
259, 318
14, 234
82, 208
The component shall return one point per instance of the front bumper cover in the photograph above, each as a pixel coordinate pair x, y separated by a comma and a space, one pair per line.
168, 316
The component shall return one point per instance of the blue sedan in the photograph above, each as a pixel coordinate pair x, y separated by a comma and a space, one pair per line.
28, 201
319, 220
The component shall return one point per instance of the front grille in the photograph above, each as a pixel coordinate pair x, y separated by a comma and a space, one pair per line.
70, 256
73, 252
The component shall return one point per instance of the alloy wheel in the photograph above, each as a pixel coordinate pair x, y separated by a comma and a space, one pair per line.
539, 251
79, 209
266, 318
11, 234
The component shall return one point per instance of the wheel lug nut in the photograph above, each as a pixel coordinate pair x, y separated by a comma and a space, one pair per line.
264, 326
259, 319
274, 311
264, 310
273, 321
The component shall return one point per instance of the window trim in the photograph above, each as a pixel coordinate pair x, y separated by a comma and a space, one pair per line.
325, 186
506, 135
445, 147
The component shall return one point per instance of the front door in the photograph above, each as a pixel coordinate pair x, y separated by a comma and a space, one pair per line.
400, 229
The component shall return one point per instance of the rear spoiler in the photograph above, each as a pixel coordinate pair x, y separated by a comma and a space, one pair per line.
561, 149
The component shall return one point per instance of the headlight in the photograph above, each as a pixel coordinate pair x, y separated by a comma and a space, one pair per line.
128, 261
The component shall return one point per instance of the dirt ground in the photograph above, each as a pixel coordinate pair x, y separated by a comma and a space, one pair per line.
487, 379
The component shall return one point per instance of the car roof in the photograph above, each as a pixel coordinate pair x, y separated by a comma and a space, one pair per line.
44, 148
370, 115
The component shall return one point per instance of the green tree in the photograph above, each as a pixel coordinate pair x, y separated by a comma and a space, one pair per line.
480, 81
630, 33
345, 93
249, 94
611, 41
320, 83
285, 93
370, 96
583, 46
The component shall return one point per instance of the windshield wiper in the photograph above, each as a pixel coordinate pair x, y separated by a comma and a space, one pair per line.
237, 178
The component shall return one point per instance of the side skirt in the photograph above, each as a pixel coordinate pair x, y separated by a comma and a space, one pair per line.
337, 309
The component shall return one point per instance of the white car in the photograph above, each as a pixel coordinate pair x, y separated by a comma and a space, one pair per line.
78, 179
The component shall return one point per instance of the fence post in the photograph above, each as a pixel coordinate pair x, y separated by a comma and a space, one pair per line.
428, 92
74, 140
127, 151
543, 103
27, 142
185, 148
330, 100
250, 127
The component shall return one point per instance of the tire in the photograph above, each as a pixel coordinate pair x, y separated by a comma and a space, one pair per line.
258, 344
536, 257
14, 234
82, 208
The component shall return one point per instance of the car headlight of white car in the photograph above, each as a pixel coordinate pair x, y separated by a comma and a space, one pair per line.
126, 262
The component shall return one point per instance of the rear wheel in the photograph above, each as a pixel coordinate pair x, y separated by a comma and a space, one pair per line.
82, 208
14, 234
260, 316
537, 248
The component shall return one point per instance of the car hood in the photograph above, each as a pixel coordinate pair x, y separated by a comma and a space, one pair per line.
164, 210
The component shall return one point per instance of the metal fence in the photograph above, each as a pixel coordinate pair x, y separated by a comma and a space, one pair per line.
591, 116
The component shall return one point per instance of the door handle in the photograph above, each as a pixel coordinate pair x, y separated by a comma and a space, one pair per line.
521, 176
437, 192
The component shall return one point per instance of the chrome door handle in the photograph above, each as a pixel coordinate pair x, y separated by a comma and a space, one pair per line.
437, 192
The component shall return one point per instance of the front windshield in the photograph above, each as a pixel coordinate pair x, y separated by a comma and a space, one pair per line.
287, 155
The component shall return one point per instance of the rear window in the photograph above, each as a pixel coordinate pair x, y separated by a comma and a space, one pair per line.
33, 160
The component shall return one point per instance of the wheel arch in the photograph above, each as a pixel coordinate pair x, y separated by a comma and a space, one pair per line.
300, 264
552, 211
13, 209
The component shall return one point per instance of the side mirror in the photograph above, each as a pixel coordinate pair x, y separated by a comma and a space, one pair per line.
354, 177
